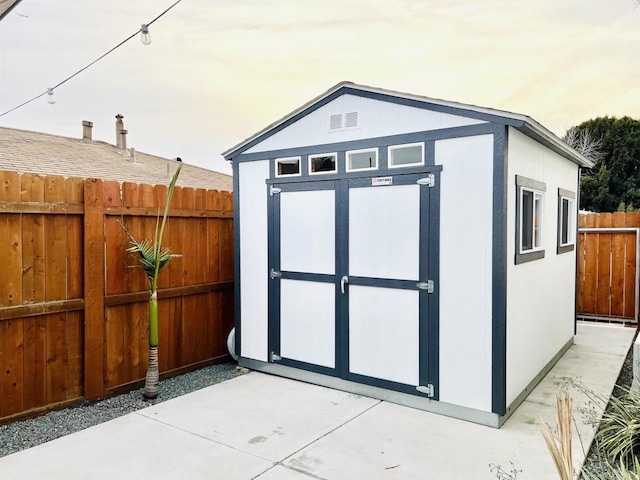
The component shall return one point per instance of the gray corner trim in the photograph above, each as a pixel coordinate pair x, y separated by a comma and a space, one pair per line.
236, 266
376, 142
414, 401
499, 273
575, 304
566, 193
430, 270
342, 351
536, 380
530, 183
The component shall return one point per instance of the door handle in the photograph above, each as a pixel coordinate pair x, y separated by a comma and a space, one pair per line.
343, 281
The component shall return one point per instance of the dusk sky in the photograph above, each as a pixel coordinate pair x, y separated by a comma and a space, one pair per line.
218, 71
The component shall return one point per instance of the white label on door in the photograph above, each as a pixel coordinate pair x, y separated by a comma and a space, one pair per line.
376, 182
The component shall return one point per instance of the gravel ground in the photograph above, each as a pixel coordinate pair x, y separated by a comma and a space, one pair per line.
25, 434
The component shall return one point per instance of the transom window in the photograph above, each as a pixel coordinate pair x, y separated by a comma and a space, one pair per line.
530, 219
406, 155
287, 167
362, 159
323, 163
566, 220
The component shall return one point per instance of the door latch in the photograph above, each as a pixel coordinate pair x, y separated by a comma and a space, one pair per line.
343, 282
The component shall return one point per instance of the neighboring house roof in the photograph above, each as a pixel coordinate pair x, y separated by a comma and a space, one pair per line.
6, 6
525, 124
25, 151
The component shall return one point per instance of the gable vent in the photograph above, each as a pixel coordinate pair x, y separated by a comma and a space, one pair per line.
335, 121
339, 121
351, 119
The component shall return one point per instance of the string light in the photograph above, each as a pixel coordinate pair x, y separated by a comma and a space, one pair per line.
145, 37
50, 98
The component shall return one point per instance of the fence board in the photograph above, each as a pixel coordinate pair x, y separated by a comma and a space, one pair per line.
618, 255
75, 354
11, 355
33, 246
56, 241
57, 358
10, 243
35, 349
226, 241
94, 289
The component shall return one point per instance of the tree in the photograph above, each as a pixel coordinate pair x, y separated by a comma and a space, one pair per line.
614, 146
152, 258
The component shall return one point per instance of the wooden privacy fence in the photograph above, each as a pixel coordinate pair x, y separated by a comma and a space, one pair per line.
608, 283
73, 313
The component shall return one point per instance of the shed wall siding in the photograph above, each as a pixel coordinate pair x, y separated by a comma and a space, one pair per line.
376, 119
254, 259
466, 232
540, 293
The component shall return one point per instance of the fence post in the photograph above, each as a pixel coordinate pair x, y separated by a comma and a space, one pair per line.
94, 289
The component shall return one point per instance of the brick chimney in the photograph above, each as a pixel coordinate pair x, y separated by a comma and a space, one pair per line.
87, 131
119, 129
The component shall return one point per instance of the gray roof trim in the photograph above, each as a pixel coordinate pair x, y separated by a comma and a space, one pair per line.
525, 124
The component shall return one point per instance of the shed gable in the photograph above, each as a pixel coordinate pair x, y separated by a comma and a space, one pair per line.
353, 117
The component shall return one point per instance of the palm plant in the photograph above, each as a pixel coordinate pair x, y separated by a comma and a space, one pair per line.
152, 258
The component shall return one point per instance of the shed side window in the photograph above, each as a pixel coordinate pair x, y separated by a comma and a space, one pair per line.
530, 219
566, 220
324, 163
362, 160
286, 167
406, 155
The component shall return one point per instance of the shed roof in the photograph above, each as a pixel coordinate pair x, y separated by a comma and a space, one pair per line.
25, 151
524, 123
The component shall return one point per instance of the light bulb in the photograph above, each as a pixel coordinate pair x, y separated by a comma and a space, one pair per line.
145, 36
50, 98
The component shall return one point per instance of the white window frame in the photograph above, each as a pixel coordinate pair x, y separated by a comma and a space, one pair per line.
570, 198
288, 160
537, 190
362, 150
391, 148
318, 155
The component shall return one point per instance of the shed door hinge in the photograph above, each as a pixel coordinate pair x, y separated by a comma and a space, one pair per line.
273, 190
275, 274
429, 180
428, 286
275, 357
427, 389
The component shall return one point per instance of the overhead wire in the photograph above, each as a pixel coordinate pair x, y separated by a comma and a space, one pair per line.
90, 64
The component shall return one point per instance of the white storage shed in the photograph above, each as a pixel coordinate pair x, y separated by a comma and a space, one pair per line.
410, 249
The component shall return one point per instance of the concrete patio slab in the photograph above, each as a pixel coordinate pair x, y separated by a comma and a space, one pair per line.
131, 447
264, 427
266, 416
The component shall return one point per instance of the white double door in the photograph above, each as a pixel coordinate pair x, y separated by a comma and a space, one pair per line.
349, 289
